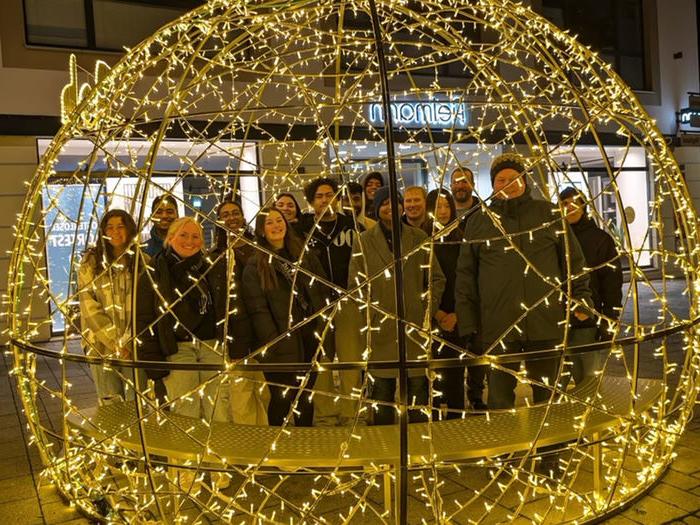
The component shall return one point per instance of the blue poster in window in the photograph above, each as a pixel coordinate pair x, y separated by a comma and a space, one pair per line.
70, 224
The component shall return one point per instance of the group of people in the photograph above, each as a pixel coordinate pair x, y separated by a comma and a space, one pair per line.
516, 275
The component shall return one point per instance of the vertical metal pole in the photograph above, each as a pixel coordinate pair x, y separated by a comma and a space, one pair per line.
402, 470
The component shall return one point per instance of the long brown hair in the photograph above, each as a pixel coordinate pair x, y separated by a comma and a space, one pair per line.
266, 270
103, 251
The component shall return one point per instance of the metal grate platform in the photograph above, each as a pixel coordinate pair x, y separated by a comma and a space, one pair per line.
473, 437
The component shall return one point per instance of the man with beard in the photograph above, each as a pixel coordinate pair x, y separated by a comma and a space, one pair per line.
462, 186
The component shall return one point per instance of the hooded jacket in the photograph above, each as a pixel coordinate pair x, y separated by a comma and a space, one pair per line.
605, 283
168, 272
494, 282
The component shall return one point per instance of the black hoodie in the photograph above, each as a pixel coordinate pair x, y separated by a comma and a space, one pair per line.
331, 242
605, 283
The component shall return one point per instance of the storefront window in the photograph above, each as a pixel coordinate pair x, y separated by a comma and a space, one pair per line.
108, 25
427, 165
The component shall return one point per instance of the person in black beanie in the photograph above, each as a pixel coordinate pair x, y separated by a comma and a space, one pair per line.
373, 253
508, 274
605, 283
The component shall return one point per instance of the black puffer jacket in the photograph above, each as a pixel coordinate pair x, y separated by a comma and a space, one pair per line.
605, 282
270, 310
494, 281
168, 273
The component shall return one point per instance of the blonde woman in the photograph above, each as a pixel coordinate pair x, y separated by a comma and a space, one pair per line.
181, 300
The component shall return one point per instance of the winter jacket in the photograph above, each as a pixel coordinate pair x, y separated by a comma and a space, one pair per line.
154, 245
494, 281
605, 283
270, 310
372, 259
105, 305
202, 304
333, 249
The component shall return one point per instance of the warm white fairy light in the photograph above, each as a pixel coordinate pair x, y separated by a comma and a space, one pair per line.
286, 76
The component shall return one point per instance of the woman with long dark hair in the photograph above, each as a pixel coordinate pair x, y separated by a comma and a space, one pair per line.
288, 205
105, 281
442, 214
279, 292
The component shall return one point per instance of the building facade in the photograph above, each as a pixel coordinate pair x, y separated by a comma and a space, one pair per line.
652, 44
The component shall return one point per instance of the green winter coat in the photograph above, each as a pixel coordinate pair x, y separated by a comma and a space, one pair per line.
371, 257
494, 281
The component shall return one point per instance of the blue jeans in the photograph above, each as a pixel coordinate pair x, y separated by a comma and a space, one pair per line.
182, 385
384, 389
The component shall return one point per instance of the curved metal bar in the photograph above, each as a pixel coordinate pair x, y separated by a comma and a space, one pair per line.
402, 482
357, 365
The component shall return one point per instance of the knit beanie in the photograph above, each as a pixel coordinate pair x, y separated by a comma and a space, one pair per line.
506, 161
381, 197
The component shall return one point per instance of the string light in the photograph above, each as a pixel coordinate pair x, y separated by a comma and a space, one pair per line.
299, 81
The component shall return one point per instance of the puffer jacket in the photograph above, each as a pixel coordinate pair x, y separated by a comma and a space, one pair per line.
105, 305
494, 281
160, 340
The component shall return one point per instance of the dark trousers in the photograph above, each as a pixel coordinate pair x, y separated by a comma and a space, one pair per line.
502, 384
384, 389
280, 405
451, 382
476, 375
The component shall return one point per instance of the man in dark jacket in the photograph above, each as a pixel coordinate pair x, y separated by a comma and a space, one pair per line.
164, 213
605, 282
330, 235
509, 281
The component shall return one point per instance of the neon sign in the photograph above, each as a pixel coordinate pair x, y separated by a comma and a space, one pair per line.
690, 117
418, 114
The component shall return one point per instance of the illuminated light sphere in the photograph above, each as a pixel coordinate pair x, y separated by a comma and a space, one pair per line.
259, 98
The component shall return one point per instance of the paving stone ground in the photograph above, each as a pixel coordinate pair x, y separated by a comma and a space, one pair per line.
26, 499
